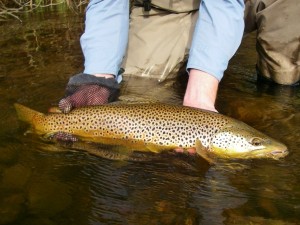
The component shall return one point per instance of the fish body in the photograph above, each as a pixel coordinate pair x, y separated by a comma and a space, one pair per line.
157, 127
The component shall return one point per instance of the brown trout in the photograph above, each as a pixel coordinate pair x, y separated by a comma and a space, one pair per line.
157, 127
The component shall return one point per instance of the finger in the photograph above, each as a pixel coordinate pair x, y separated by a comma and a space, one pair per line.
65, 105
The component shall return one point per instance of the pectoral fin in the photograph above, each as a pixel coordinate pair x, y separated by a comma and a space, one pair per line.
202, 151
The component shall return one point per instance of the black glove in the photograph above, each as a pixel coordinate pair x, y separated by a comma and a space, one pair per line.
84, 90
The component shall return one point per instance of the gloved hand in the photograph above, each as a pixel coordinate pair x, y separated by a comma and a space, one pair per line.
85, 90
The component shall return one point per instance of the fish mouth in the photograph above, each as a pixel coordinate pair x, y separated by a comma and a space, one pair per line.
276, 154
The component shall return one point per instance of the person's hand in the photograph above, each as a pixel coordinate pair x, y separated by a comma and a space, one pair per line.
85, 95
86, 90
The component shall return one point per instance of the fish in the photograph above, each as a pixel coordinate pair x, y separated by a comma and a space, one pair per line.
157, 127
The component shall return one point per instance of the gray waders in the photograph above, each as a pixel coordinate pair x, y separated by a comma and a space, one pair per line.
161, 32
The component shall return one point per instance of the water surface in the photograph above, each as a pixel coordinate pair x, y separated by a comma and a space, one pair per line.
42, 186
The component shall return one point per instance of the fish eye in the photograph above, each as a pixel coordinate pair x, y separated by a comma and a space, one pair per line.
256, 141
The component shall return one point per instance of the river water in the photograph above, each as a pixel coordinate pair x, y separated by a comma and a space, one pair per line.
39, 184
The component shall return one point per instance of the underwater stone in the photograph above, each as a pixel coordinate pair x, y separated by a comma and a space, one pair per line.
11, 207
47, 198
16, 177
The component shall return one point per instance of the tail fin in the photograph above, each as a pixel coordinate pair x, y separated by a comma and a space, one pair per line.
26, 114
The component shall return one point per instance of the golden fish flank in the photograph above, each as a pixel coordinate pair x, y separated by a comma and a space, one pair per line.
156, 127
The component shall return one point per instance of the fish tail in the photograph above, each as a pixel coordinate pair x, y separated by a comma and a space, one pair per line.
26, 114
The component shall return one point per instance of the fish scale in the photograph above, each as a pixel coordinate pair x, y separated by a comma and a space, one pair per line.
157, 127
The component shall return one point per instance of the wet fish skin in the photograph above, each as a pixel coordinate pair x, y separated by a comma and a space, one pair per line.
158, 127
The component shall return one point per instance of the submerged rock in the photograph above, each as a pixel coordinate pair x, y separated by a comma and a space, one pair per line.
47, 198
16, 177
11, 207
249, 220
38, 221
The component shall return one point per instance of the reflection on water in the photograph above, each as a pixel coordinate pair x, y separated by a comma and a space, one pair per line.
43, 184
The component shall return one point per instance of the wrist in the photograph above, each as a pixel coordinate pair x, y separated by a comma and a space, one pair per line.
106, 76
201, 91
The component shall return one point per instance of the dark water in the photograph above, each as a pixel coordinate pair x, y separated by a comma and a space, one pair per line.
41, 186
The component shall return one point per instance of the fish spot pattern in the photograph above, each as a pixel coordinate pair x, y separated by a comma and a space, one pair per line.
159, 124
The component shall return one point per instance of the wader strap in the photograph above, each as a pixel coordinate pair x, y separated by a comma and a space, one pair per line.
147, 5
